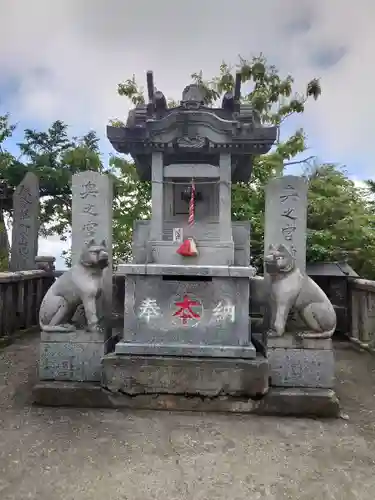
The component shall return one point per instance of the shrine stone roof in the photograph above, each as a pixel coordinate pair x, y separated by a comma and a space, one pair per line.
192, 132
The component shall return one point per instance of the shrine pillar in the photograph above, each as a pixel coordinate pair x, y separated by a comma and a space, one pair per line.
225, 217
156, 229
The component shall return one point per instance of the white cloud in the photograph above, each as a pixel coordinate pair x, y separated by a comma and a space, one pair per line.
53, 246
359, 184
67, 57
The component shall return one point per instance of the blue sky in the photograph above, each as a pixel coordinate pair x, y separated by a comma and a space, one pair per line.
64, 59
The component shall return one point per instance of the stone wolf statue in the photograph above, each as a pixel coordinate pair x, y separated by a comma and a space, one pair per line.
80, 285
289, 289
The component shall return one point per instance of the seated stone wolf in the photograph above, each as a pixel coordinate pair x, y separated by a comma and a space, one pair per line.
288, 290
80, 285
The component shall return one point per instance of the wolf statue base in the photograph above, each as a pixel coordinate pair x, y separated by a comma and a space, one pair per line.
81, 285
290, 290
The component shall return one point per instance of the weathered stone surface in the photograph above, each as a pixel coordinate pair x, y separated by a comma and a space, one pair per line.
299, 402
184, 349
186, 269
293, 341
25, 224
194, 376
291, 290
91, 210
210, 231
319, 403
177, 316
74, 394
210, 253
74, 356
292, 367
72, 298
45, 263
92, 195
285, 216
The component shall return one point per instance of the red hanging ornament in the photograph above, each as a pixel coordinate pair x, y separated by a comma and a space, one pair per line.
191, 220
188, 248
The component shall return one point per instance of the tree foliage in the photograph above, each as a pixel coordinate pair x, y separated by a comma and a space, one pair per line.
340, 221
131, 203
6, 159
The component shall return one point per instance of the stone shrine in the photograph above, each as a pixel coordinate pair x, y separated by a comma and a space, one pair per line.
196, 305
187, 341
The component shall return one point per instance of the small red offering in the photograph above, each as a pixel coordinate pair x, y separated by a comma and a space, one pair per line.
188, 248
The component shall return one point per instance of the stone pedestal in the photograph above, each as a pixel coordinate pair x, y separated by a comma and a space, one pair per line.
297, 362
199, 311
208, 377
74, 356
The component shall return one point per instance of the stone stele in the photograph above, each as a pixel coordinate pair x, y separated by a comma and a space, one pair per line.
25, 224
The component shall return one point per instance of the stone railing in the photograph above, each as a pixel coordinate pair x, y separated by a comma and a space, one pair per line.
21, 294
362, 293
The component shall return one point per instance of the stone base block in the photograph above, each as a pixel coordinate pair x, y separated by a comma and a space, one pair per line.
74, 356
300, 402
319, 403
297, 362
134, 375
191, 350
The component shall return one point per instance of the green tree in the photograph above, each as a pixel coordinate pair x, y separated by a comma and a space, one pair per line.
6, 159
274, 99
340, 220
131, 203
370, 192
54, 157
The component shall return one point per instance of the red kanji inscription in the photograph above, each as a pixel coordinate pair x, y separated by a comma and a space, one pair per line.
185, 311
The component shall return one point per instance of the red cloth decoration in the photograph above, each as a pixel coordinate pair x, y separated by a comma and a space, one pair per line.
188, 248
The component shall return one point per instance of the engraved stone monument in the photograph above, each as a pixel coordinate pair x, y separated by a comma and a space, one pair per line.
301, 318
25, 224
285, 216
92, 195
75, 312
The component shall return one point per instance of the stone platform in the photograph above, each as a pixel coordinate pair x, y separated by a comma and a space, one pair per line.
195, 384
321, 403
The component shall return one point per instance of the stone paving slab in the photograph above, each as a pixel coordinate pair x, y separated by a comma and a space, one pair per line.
72, 454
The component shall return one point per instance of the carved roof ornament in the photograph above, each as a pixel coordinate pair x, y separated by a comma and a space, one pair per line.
193, 130
193, 96
232, 101
157, 103
196, 142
